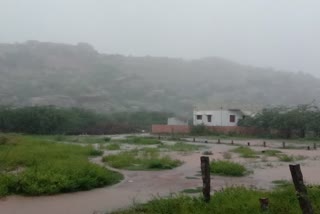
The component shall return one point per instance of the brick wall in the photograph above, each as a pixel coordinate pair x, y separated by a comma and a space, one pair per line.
185, 129
236, 130
167, 129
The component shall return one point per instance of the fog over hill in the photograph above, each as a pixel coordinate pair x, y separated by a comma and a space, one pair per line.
37, 73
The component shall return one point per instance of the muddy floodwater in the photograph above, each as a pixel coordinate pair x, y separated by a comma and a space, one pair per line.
140, 186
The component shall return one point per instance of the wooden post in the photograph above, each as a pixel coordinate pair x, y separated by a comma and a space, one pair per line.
264, 204
283, 144
314, 146
301, 189
218, 141
194, 139
232, 142
248, 143
264, 144
308, 147
205, 171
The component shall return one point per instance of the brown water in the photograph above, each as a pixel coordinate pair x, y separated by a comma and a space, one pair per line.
139, 186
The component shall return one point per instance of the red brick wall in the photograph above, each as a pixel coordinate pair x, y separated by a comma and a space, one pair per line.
236, 130
185, 129
166, 129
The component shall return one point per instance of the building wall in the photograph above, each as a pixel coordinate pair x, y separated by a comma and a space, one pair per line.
218, 117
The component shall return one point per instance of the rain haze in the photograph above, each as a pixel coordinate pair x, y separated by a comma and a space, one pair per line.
138, 106
280, 34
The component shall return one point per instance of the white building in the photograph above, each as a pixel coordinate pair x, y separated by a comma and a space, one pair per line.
221, 117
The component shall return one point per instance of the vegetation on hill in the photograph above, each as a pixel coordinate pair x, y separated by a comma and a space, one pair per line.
36, 73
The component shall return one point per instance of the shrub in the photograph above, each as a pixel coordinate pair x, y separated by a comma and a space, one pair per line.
96, 152
290, 158
271, 152
107, 139
227, 168
245, 152
113, 146
200, 130
143, 159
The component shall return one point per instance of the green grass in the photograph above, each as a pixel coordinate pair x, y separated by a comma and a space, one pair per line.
245, 152
180, 147
141, 159
233, 200
290, 158
96, 152
113, 146
227, 168
31, 166
92, 139
271, 152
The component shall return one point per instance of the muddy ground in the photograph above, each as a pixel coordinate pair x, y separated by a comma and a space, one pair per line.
140, 186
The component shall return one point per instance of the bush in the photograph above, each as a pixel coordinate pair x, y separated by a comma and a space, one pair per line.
286, 158
245, 152
95, 152
144, 159
227, 168
107, 139
113, 146
200, 130
271, 152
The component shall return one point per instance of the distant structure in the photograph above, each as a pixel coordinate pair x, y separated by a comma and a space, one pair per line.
176, 121
220, 117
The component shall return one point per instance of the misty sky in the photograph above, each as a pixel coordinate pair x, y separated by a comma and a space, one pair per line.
284, 34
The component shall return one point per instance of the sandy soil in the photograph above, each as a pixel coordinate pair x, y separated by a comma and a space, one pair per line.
140, 186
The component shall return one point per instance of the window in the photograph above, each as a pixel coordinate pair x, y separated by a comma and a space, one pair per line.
232, 118
209, 117
199, 117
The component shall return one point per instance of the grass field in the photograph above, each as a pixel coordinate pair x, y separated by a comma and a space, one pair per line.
232, 200
33, 166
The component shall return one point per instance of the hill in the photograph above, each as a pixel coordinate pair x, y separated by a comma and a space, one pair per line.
38, 73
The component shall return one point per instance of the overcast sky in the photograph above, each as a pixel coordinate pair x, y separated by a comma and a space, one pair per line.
284, 34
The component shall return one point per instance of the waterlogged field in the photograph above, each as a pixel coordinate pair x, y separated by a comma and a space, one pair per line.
240, 174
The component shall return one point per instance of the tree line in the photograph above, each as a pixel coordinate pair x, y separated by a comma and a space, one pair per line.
56, 120
299, 121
